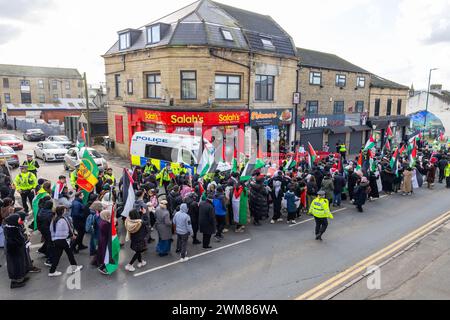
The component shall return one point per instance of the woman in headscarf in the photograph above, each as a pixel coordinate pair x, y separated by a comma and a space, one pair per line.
164, 227
361, 193
277, 195
407, 186
373, 184
104, 234
16, 257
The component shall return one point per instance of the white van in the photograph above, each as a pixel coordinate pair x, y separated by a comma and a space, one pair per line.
162, 149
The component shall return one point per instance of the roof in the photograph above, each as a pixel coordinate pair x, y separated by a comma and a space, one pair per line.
322, 60
45, 106
201, 23
44, 72
379, 82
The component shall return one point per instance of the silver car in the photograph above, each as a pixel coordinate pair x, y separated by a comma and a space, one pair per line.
74, 156
49, 151
11, 157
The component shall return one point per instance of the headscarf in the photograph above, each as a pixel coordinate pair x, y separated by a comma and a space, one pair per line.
105, 215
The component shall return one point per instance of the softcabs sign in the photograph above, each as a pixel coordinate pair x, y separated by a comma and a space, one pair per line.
191, 118
271, 117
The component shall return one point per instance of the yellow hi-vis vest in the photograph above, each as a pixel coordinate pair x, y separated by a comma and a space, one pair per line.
320, 208
447, 171
343, 148
25, 181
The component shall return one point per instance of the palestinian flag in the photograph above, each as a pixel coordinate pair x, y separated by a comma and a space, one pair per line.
388, 145
290, 164
57, 189
389, 133
239, 204
394, 157
206, 161
413, 156
128, 193
370, 144
112, 250
340, 167
234, 167
312, 155
35, 204
250, 168
81, 141
360, 162
87, 173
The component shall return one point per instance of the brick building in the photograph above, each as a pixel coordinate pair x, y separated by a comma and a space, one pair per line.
334, 101
29, 84
388, 104
225, 67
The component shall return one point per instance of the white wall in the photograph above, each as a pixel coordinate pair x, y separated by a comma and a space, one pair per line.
437, 106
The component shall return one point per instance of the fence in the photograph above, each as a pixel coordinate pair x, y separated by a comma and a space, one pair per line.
23, 125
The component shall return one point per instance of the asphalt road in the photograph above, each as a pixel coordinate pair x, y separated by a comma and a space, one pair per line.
268, 262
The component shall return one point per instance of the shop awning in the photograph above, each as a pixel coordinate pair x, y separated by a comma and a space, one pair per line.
361, 128
338, 130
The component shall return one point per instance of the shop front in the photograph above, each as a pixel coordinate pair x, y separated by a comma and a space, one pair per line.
215, 124
273, 127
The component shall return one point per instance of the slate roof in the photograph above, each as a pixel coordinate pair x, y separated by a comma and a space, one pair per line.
379, 82
44, 72
317, 59
201, 22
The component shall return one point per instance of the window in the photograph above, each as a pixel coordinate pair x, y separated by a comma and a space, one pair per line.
161, 153
341, 80
359, 107
68, 96
117, 84
40, 84
338, 107
267, 43
41, 98
55, 98
119, 128
389, 107
79, 84
25, 97
188, 85
67, 85
154, 34
264, 90
315, 78
187, 157
130, 87
312, 107
7, 98
228, 87
227, 35
54, 85
25, 86
5, 83
399, 107
154, 86
124, 41
377, 108
360, 82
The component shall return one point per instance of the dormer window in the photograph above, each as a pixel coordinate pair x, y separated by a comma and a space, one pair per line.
124, 41
267, 43
154, 34
227, 35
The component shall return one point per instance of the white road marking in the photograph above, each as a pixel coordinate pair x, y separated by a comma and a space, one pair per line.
299, 223
191, 258
34, 246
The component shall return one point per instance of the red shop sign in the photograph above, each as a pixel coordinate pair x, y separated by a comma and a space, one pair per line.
188, 119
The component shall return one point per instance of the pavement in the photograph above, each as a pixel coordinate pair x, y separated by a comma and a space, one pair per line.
270, 262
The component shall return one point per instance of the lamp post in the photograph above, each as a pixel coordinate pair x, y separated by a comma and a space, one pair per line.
428, 97
88, 114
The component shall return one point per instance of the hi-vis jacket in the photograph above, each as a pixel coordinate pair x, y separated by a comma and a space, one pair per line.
320, 208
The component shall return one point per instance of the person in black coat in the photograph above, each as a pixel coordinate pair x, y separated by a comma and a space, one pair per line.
258, 201
16, 255
361, 193
374, 193
442, 164
174, 199
387, 180
339, 185
277, 195
207, 221
191, 201
352, 180
44, 220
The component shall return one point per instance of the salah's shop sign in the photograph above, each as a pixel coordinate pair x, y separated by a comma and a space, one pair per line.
188, 119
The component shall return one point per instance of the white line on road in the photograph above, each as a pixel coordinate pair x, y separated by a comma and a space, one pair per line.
299, 223
190, 258
34, 246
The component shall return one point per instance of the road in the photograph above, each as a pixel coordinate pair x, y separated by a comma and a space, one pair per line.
269, 262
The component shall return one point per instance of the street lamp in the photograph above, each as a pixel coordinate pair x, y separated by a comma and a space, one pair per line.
428, 97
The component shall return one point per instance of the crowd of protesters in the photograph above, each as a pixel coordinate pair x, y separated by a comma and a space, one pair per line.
174, 205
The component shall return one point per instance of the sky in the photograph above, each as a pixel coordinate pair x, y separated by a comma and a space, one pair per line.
396, 39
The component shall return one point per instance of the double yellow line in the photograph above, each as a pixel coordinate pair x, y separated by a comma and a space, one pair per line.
336, 281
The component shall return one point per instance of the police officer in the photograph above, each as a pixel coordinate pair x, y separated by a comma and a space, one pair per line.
182, 170
74, 178
25, 183
343, 151
109, 176
149, 168
320, 209
164, 178
31, 164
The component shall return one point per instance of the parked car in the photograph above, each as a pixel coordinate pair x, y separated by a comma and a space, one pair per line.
12, 141
61, 140
49, 151
74, 156
34, 135
11, 157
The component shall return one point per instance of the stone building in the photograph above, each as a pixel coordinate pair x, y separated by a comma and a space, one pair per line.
334, 101
38, 85
225, 67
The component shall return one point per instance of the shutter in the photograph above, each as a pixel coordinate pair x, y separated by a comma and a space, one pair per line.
119, 129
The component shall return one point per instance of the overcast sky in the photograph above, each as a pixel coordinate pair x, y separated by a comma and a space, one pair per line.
397, 39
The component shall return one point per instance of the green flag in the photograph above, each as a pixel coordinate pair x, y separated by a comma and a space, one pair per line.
250, 168
234, 169
41, 194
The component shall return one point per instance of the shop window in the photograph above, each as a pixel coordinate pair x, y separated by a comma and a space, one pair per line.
161, 153
389, 107
359, 107
341, 80
264, 90
315, 78
154, 86
399, 107
312, 107
338, 107
377, 108
188, 85
119, 128
228, 87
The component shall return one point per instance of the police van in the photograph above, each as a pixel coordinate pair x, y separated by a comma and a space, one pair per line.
164, 150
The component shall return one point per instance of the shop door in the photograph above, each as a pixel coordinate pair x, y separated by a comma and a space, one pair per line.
356, 142
316, 140
335, 138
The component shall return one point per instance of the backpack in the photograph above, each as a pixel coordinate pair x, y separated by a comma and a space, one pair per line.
90, 222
